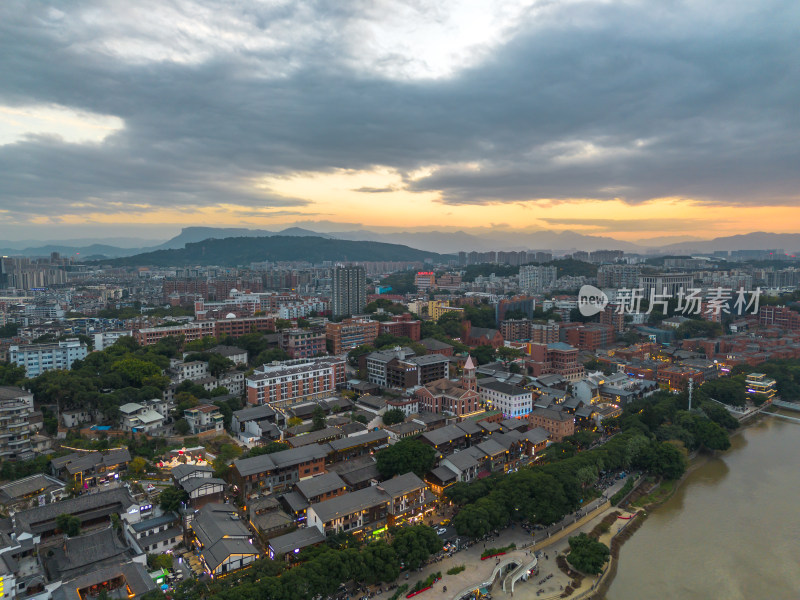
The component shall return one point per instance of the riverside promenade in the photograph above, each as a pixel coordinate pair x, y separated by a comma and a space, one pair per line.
549, 541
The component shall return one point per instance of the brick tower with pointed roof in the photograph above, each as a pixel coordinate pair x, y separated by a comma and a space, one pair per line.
469, 380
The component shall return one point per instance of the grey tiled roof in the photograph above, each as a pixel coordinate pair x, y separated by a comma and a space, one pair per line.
195, 483
320, 484
349, 503
402, 484
282, 459
41, 518
28, 485
297, 540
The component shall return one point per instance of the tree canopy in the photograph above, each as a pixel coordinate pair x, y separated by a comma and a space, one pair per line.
587, 555
407, 455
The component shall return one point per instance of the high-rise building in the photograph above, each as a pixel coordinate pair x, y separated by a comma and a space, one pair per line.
618, 276
16, 407
349, 291
537, 279
38, 358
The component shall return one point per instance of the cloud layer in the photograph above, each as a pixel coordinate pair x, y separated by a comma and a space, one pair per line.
536, 102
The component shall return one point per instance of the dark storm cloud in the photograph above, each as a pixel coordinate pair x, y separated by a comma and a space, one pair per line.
634, 101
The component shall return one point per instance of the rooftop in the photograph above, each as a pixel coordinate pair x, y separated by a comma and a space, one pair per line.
297, 540
284, 458
349, 503
321, 484
402, 484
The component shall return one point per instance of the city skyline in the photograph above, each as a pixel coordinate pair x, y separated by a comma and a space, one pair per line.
601, 118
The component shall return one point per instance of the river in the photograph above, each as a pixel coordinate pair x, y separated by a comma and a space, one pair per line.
732, 530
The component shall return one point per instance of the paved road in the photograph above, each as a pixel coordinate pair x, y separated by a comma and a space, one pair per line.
471, 557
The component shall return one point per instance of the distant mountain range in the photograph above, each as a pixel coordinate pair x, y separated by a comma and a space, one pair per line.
437, 242
245, 250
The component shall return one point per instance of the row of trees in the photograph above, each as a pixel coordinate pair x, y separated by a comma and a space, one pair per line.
656, 435
321, 570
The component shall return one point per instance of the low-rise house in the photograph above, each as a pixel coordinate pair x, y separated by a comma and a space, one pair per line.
535, 441
203, 490
156, 535
322, 487
448, 439
192, 370
434, 346
140, 419
440, 478
279, 470
75, 418
250, 425
232, 353
90, 469
463, 464
373, 404
182, 473
357, 473
204, 418
353, 447
408, 497
404, 430
557, 423
315, 437
294, 542
91, 509
74, 555
268, 518
364, 511
35, 490
222, 539
409, 405
128, 580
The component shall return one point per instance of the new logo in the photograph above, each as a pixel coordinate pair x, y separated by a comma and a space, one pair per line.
591, 300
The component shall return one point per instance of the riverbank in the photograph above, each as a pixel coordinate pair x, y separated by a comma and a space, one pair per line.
592, 588
642, 511
677, 556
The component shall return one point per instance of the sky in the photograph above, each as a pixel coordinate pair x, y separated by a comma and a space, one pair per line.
636, 120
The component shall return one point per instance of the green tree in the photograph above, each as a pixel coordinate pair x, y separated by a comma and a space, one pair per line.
357, 352
171, 498
483, 354
318, 420
407, 455
159, 561
508, 354
587, 555
394, 416
182, 426
135, 372
664, 459
11, 374
413, 545
69, 524
270, 448
729, 390
137, 465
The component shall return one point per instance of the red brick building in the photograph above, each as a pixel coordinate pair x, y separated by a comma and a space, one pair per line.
558, 358
456, 397
558, 424
295, 381
403, 326
351, 333
481, 336
589, 336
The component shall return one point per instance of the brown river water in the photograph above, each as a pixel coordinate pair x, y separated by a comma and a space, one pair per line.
731, 531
